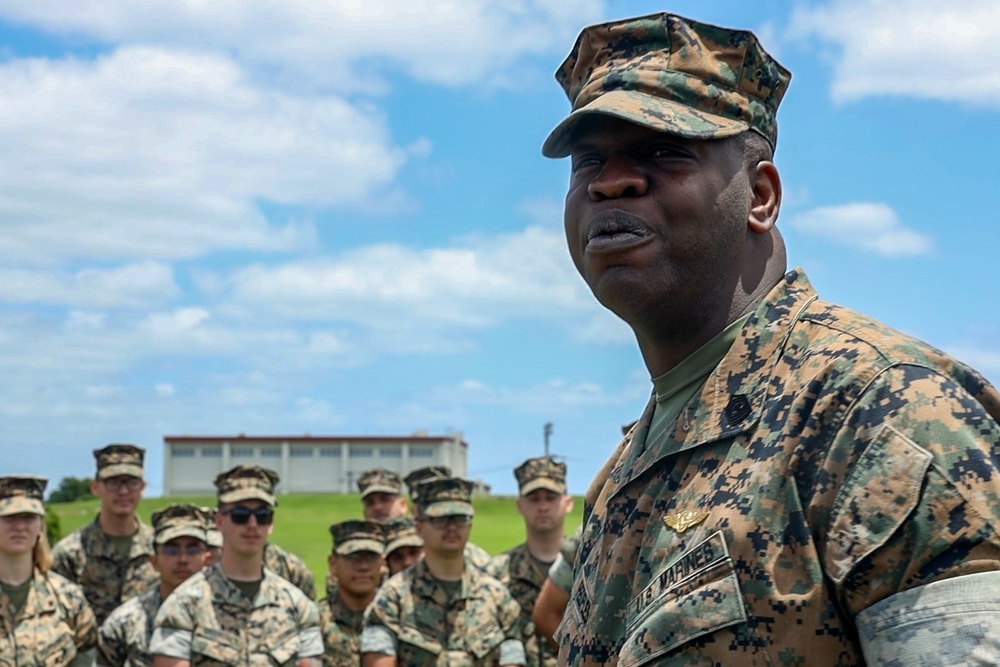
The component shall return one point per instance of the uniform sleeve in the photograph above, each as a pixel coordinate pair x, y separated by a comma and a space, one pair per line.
310, 636
62, 559
382, 622
173, 627
515, 630
914, 479
561, 574
81, 616
111, 649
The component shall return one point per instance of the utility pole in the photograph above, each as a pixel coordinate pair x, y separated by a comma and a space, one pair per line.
547, 430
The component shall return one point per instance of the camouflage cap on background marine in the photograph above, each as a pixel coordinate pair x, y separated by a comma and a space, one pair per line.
180, 520
399, 532
247, 482
379, 480
213, 536
541, 473
419, 475
444, 496
356, 535
119, 459
22, 494
673, 75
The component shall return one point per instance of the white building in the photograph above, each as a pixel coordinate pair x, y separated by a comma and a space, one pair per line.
306, 464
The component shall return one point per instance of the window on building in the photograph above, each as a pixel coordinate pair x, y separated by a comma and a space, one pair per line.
422, 452
211, 452
270, 451
359, 452
329, 452
242, 451
301, 452
388, 452
182, 452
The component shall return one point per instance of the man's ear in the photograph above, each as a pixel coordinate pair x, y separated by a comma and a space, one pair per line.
766, 197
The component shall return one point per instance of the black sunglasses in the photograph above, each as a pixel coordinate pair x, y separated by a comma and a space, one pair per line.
241, 515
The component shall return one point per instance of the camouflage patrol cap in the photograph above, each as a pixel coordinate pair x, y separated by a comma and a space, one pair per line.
379, 480
444, 496
419, 475
119, 459
180, 520
247, 482
400, 532
213, 536
673, 75
22, 494
355, 535
541, 473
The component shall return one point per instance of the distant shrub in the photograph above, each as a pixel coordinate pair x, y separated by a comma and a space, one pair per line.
53, 528
70, 489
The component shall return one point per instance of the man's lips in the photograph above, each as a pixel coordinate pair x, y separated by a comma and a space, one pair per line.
615, 231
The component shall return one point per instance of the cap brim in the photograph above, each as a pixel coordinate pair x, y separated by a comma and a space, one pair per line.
380, 488
448, 508
21, 505
213, 538
119, 469
642, 109
354, 546
543, 483
237, 495
181, 531
408, 541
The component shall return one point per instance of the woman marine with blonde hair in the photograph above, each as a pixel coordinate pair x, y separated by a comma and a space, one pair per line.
44, 618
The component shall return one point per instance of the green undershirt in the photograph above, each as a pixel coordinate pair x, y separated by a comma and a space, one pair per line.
122, 543
17, 595
248, 588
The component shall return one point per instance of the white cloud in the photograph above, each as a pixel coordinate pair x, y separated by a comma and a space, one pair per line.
873, 227
333, 44
163, 154
918, 48
138, 284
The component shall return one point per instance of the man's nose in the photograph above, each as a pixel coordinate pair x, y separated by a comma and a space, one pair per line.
620, 176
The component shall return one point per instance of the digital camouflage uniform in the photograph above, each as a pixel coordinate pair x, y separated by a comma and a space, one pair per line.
123, 638
288, 566
412, 605
209, 621
89, 558
341, 626
516, 569
828, 463
55, 626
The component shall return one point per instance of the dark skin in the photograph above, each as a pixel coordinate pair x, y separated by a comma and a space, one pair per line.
676, 236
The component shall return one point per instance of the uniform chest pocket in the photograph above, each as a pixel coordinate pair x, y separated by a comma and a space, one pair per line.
283, 649
416, 649
56, 647
483, 640
693, 596
211, 648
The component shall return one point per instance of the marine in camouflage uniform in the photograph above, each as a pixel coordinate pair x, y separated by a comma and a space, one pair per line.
475, 555
357, 550
806, 486
522, 569
442, 611
50, 623
92, 558
221, 615
123, 638
403, 547
290, 567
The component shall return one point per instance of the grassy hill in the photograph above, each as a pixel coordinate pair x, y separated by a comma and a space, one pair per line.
302, 521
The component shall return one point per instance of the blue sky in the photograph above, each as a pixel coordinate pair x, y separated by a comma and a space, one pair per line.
312, 216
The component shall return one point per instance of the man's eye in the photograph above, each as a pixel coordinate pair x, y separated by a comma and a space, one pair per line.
585, 161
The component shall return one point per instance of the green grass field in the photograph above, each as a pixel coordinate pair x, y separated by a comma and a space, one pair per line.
302, 521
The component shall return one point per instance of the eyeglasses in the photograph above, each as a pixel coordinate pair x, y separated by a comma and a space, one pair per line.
241, 515
116, 484
175, 550
359, 557
459, 520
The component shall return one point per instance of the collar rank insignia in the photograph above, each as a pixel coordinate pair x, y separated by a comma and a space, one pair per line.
684, 520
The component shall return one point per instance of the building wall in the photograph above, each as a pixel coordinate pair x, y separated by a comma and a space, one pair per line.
305, 464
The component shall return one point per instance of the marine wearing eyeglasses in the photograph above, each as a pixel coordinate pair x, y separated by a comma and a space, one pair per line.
109, 557
441, 610
356, 563
237, 611
180, 550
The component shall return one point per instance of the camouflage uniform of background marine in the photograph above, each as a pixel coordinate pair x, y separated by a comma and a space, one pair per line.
826, 464
475, 555
518, 570
123, 638
414, 607
341, 627
291, 568
222, 625
89, 558
55, 625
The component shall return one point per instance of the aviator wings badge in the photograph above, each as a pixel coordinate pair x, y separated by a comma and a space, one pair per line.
684, 520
